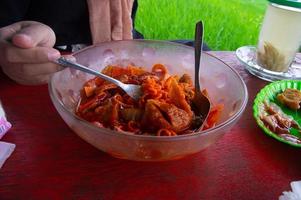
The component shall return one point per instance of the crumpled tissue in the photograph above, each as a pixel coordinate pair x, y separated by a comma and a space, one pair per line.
295, 194
6, 149
4, 124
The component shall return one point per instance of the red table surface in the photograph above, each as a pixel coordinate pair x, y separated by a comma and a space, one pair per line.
51, 162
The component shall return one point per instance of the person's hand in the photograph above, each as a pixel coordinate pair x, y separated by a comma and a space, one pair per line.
26, 52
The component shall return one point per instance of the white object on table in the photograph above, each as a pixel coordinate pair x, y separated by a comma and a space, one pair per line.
295, 194
6, 150
4, 124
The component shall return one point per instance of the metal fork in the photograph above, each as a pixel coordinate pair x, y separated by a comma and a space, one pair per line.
132, 90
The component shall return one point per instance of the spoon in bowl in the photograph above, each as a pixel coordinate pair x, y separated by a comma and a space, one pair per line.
200, 103
132, 90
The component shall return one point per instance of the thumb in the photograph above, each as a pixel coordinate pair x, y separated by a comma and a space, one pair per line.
32, 35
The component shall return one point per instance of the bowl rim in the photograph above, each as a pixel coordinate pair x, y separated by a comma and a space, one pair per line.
151, 137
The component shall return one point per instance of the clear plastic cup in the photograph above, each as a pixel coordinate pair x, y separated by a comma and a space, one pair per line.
280, 35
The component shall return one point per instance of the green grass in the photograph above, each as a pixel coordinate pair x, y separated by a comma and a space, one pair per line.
229, 24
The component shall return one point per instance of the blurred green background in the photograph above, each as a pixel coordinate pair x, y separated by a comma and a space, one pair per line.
229, 24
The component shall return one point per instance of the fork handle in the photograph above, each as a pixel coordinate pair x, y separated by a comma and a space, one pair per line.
67, 63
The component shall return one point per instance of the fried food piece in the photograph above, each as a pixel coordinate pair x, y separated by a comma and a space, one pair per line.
291, 98
276, 120
272, 123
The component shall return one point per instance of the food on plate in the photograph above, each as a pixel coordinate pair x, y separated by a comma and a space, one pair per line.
164, 109
291, 98
277, 121
270, 58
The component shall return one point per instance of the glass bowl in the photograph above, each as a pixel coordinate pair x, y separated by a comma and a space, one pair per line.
223, 83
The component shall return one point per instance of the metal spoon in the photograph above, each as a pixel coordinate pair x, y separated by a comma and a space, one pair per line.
200, 103
132, 90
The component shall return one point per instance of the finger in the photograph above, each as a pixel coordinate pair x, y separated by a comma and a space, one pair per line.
7, 32
33, 55
34, 35
22, 41
40, 69
35, 74
27, 70
30, 74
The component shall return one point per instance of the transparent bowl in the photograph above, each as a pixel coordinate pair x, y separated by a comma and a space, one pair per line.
223, 83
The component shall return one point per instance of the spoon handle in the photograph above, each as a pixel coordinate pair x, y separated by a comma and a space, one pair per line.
66, 63
199, 29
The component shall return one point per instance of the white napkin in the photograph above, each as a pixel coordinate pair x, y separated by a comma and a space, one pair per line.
295, 194
6, 150
4, 124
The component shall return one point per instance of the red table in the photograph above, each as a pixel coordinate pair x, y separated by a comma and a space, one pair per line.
51, 162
